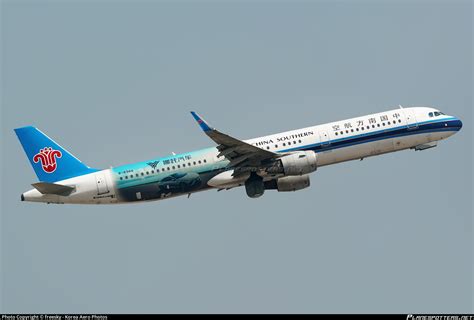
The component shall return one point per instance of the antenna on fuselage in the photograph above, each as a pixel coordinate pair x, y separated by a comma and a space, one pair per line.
173, 153
400, 106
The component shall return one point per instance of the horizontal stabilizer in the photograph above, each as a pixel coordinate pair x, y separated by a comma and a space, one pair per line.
53, 188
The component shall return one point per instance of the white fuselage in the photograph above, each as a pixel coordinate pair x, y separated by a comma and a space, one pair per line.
333, 142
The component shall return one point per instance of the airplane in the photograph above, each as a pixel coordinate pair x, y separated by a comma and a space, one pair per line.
281, 161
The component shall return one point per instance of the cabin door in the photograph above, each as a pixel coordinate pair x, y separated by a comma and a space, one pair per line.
101, 183
324, 138
411, 119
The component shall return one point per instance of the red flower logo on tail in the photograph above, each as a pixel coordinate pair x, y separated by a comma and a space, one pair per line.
47, 156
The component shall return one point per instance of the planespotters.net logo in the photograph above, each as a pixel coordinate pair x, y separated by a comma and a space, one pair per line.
47, 156
439, 317
54, 317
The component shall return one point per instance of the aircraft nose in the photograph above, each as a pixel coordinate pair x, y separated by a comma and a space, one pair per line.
457, 124
453, 124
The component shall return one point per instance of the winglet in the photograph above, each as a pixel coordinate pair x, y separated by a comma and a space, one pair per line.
202, 123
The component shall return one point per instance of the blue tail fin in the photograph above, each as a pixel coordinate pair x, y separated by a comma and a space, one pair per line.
50, 161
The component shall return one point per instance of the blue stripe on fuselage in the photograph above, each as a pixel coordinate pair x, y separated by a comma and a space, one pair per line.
453, 124
446, 124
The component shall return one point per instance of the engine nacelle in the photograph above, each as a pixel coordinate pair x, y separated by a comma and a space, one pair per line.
254, 186
295, 164
291, 183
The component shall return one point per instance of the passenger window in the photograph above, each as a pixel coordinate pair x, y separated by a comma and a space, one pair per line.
184, 165
357, 129
430, 114
168, 168
121, 178
352, 130
204, 160
179, 166
194, 162
157, 170
299, 141
378, 125
399, 121
276, 146
199, 161
341, 132
336, 133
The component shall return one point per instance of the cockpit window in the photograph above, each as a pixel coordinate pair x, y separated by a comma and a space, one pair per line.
435, 114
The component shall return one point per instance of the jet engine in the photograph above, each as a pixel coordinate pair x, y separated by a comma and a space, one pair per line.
291, 183
295, 164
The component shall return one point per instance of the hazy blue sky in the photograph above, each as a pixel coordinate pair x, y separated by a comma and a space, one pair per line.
113, 83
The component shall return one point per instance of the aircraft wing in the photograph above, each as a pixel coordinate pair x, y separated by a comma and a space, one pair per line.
241, 155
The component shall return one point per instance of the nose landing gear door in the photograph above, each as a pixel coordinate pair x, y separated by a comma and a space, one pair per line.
101, 183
